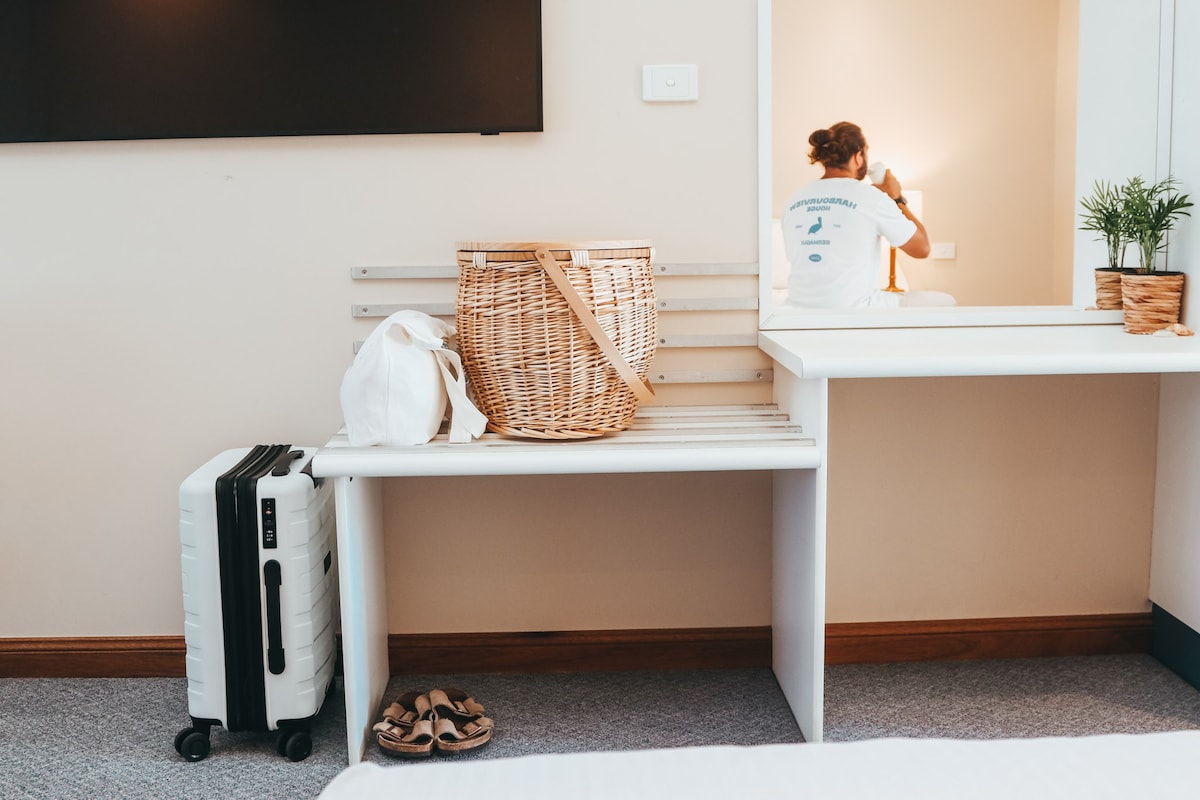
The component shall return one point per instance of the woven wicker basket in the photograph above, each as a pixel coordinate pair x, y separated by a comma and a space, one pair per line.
557, 339
1108, 289
1151, 300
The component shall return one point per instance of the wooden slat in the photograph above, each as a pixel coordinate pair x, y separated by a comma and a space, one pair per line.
680, 270
401, 273
391, 272
666, 439
387, 309
709, 340
673, 304
666, 305
710, 412
713, 376
659, 425
729, 423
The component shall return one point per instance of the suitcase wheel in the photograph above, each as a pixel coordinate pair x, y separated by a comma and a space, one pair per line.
295, 744
192, 744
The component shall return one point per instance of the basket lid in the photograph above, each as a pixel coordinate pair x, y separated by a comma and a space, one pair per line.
529, 247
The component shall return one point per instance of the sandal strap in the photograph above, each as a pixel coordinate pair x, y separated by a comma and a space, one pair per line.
397, 714
421, 732
455, 702
446, 728
408, 709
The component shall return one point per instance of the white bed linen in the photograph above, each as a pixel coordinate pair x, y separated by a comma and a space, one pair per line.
1157, 765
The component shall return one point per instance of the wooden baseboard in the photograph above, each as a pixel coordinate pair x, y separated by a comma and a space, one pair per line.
1006, 637
580, 651
577, 651
93, 657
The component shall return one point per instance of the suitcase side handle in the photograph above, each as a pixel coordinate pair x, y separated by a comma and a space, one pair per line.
273, 578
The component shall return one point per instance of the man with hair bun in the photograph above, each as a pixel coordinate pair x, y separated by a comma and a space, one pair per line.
831, 229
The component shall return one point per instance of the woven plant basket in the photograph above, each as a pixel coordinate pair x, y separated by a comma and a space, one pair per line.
557, 339
1151, 300
1108, 289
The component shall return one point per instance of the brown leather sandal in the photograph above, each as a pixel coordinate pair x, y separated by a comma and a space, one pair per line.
458, 736
407, 726
455, 704
414, 742
408, 709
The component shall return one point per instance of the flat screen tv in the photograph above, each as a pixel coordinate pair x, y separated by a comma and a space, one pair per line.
80, 70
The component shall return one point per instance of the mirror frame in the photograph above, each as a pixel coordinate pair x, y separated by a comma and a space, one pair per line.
1143, 118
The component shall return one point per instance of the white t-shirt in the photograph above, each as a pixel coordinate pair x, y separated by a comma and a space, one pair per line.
831, 230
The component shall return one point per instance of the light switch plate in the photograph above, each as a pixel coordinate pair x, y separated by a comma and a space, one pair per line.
670, 83
942, 251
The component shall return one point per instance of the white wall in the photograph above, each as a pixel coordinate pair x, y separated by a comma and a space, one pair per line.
165, 300
161, 301
1176, 529
990, 496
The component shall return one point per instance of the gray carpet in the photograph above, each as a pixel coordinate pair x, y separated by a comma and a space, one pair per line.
113, 738
1007, 699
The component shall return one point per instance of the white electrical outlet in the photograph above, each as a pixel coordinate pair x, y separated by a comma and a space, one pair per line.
942, 251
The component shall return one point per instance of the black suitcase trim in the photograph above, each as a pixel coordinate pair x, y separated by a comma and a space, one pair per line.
242, 611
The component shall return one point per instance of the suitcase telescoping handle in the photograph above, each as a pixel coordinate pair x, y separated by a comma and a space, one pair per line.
283, 464
273, 577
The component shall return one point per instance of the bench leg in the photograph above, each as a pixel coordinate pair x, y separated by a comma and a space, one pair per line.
798, 596
359, 511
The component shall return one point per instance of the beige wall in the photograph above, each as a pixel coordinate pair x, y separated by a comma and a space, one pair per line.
962, 100
561, 553
165, 300
998, 496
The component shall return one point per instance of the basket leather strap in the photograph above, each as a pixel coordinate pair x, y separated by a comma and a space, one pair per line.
641, 387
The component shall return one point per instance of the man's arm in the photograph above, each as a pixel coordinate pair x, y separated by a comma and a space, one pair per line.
918, 244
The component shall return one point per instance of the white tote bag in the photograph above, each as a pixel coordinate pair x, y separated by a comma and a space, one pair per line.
396, 391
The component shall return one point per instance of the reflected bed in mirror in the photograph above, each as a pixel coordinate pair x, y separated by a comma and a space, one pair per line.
976, 105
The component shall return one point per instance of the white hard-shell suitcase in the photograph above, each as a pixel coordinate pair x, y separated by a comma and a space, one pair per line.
259, 596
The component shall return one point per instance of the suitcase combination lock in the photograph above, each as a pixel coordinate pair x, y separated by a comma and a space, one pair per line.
270, 541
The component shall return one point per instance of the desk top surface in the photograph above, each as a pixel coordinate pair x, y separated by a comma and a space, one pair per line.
662, 439
1007, 350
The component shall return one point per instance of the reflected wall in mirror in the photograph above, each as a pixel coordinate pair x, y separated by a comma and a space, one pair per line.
972, 104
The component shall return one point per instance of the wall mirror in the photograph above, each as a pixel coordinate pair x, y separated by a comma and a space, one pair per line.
999, 114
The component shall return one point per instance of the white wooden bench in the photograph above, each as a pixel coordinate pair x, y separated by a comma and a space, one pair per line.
695, 439
684, 439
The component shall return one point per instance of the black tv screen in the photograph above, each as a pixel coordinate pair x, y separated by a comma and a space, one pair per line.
74, 70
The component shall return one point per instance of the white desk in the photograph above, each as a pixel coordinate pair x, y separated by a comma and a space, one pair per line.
663, 439
805, 360
1010, 350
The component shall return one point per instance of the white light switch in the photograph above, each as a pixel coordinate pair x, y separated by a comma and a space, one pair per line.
943, 251
669, 83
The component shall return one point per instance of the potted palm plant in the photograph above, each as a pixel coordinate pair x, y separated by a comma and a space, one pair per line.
1151, 296
1104, 214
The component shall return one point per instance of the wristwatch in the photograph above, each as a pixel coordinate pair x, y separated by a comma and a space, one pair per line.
900, 201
